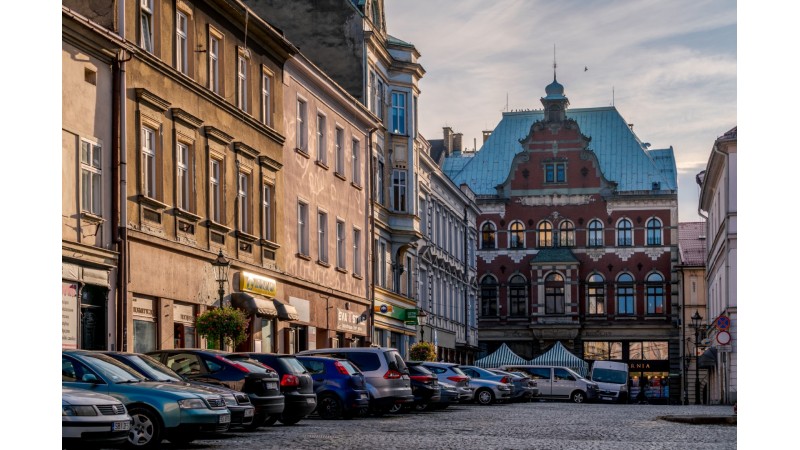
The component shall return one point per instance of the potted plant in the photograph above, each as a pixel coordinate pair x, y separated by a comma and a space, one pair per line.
222, 326
423, 351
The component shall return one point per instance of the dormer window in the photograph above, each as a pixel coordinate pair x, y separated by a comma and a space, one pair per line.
555, 172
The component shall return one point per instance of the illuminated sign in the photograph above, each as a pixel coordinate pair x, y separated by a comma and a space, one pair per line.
250, 282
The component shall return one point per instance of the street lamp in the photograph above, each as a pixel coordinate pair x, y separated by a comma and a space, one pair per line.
221, 266
422, 318
696, 319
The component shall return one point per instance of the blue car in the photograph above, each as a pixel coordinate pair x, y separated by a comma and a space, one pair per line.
159, 410
340, 387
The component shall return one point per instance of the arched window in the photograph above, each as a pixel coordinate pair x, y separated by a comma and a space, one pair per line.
545, 234
595, 233
625, 295
517, 296
554, 294
596, 294
488, 235
489, 296
654, 232
655, 293
516, 235
624, 233
566, 234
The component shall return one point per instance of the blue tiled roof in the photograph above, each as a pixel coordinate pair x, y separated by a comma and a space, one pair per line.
623, 158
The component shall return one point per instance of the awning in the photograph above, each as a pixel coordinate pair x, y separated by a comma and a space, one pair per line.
285, 310
708, 360
254, 304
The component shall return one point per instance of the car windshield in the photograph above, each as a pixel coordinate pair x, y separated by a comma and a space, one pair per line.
112, 369
609, 376
155, 369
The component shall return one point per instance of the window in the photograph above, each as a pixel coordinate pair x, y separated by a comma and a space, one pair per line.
398, 113
322, 146
243, 197
517, 296
215, 206
322, 232
266, 98
566, 234
489, 296
399, 190
379, 192
340, 245
149, 162
339, 151
595, 233
377, 92
241, 82
182, 176
516, 235
625, 295
409, 277
624, 233
655, 294
555, 172
302, 126
488, 233
181, 43
91, 178
382, 264
214, 49
652, 350
356, 251
356, 162
595, 294
602, 350
302, 228
654, 232
554, 294
146, 22
545, 234
267, 211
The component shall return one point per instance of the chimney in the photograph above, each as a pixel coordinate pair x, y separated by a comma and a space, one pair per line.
457, 142
448, 140
486, 134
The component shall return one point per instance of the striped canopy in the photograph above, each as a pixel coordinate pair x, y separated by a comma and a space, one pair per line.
558, 355
501, 356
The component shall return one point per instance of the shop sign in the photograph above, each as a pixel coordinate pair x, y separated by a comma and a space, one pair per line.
183, 313
250, 282
349, 321
649, 365
69, 315
411, 317
143, 308
386, 309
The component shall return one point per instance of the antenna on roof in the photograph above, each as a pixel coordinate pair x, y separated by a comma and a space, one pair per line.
612, 95
554, 62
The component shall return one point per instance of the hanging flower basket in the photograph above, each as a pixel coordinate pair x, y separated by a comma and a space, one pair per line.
227, 325
423, 351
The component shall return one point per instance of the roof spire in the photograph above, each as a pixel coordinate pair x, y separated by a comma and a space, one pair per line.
554, 62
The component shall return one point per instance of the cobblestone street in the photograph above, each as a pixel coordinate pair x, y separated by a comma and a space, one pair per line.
538, 425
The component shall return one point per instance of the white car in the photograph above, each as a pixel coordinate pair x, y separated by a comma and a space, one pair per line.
92, 417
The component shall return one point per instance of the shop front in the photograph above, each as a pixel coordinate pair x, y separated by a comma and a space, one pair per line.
391, 329
648, 366
85, 308
184, 331
145, 324
256, 298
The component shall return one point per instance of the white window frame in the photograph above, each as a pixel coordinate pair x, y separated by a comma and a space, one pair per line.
182, 175
243, 197
266, 97
266, 209
149, 161
399, 116
91, 177
341, 244
182, 43
214, 197
322, 236
302, 228
322, 138
302, 125
146, 28
339, 150
213, 62
241, 82
356, 161
399, 190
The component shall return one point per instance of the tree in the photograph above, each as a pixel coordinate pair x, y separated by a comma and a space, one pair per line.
223, 325
423, 351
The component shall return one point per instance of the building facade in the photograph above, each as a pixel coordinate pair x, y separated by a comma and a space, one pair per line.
691, 274
718, 201
578, 240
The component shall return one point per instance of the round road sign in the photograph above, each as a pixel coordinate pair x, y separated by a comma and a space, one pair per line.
722, 323
724, 338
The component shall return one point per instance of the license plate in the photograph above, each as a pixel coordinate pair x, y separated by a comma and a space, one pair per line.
225, 418
119, 426
271, 385
249, 412
606, 398
310, 400
362, 396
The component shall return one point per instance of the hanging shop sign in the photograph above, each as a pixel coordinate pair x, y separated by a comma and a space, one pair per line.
350, 322
250, 282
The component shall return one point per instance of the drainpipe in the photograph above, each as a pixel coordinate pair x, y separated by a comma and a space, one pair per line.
371, 246
465, 255
120, 177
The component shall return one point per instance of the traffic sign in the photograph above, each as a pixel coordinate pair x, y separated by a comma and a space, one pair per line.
724, 338
722, 323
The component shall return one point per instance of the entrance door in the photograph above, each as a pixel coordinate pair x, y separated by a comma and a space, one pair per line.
93, 317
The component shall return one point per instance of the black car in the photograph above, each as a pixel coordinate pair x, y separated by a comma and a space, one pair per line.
449, 396
297, 386
340, 387
242, 411
424, 386
258, 381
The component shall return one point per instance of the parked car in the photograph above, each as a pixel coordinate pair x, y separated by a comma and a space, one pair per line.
297, 386
242, 411
612, 380
448, 396
340, 387
388, 382
489, 387
525, 388
259, 382
556, 382
159, 410
450, 373
424, 386
92, 418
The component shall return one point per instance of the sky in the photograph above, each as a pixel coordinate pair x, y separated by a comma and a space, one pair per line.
670, 68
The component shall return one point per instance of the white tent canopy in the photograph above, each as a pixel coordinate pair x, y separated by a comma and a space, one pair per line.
558, 355
501, 356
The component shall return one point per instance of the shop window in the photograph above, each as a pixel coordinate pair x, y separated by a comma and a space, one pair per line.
144, 336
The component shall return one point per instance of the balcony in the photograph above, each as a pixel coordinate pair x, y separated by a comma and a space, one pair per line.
405, 228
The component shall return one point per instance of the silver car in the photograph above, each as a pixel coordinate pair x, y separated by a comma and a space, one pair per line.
489, 387
450, 373
525, 389
90, 417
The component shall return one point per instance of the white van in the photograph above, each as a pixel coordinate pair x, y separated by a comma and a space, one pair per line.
556, 382
612, 379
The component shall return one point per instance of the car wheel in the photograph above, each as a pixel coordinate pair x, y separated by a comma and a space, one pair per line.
271, 421
290, 421
329, 407
145, 430
396, 408
422, 407
484, 397
578, 397
258, 421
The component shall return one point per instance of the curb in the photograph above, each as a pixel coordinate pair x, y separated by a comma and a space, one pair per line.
701, 420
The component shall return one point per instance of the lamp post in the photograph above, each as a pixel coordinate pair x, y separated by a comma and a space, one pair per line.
221, 266
422, 318
696, 318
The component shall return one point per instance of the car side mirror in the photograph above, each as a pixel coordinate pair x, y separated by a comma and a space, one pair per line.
90, 378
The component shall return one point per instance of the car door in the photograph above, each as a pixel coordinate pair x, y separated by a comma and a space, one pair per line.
563, 382
543, 377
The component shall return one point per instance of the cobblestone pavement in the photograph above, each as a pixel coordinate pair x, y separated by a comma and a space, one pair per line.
537, 425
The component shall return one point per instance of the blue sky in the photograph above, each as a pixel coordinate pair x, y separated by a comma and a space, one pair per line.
669, 67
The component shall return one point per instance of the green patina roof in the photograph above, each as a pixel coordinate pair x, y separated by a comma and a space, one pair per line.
548, 255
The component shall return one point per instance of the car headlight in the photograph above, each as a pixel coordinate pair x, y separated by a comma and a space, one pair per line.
504, 388
229, 400
192, 403
69, 410
623, 388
